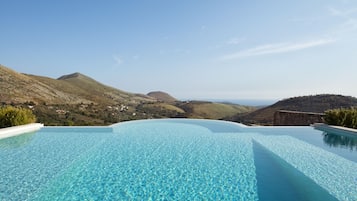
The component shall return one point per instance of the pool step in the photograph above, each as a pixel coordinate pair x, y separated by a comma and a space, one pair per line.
326, 169
278, 180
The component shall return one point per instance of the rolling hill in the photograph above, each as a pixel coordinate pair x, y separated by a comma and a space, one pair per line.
212, 110
70, 89
19, 88
90, 90
162, 96
315, 104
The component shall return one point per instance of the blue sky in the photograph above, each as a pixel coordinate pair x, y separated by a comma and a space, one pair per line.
234, 49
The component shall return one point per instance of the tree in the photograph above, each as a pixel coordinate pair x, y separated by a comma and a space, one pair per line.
12, 116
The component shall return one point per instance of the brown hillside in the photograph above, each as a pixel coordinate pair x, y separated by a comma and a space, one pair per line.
70, 89
17, 88
316, 104
211, 110
93, 90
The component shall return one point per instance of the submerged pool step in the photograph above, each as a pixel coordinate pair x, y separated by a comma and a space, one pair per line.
326, 169
289, 183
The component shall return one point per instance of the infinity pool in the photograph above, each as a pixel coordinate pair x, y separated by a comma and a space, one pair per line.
179, 159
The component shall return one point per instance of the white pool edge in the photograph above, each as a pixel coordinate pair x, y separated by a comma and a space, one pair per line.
18, 130
339, 129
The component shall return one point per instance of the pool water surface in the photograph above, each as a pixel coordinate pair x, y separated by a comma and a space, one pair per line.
178, 159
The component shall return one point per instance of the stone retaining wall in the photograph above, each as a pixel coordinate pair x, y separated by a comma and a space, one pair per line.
295, 118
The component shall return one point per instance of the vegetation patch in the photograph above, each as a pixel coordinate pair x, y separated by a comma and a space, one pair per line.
342, 117
12, 116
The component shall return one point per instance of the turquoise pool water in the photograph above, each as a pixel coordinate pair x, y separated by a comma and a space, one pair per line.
179, 160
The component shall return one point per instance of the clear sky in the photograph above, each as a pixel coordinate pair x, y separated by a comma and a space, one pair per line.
192, 49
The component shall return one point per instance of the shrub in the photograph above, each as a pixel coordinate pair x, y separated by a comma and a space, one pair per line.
11, 116
342, 117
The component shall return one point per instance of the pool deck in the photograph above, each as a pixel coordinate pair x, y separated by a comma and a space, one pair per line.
18, 130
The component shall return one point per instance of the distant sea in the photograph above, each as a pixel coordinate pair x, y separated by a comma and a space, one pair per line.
248, 102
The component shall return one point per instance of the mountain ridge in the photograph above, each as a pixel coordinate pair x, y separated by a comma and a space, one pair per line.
17, 87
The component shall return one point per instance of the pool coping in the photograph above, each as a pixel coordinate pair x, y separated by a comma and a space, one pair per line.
334, 129
19, 130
